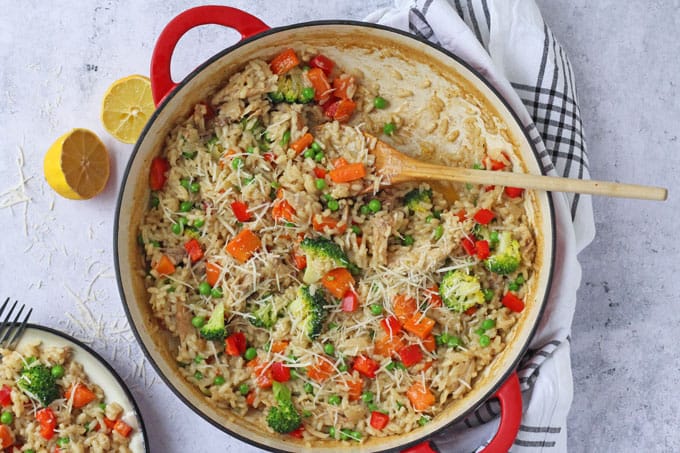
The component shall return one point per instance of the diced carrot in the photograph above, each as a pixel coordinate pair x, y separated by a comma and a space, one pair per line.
6, 437
165, 266
387, 346
300, 260
250, 399
338, 281
339, 162
321, 223
122, 428
47, 422
355, 389
419, 325
224, 160
471, 311
322, 62
429, 343
109, 423
263, 375
284, 62
348, 173
194, 249
404, 307
212, 273
433, 295
319, 81
421, 398
462, 215
344, 86
391, 325
302, 143
427, 365
283, 210
243, 245
279, 346
343, 111
81, 395
320, 371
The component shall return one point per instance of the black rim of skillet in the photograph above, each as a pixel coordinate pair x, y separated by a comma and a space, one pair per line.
323, 23
108, 367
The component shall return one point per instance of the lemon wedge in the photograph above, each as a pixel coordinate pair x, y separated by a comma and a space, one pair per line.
126, 108
77, 165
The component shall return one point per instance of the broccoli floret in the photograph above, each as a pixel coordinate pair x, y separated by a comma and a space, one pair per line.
283, 418
308, 310
265, 313
418, 200
506, 257
291, 89
38, 383
322, 256
214, 329
460, 291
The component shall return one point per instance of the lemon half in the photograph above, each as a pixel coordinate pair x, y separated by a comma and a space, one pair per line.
77, 165
126, 108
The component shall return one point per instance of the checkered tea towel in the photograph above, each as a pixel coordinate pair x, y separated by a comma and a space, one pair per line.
508, 42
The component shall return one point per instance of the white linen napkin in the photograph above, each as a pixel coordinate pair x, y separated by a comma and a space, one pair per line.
508, 42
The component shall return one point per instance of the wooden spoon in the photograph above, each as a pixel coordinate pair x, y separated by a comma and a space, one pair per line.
396, 168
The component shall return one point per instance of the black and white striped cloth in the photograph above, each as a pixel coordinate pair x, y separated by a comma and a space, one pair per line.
508, 42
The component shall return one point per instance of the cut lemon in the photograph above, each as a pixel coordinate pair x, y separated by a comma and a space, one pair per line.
77, 165
126, 108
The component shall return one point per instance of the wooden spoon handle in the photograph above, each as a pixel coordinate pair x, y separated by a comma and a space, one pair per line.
426, 171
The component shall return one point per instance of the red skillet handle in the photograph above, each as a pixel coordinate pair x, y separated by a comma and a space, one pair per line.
510, 397
161, 80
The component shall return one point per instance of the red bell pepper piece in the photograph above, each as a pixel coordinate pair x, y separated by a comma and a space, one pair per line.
350, 301
6, 396
157, 177
468, 245
297, 433
320, 172
435, 298
391, 325
235, 344
280, 372
47, 422
410, 355
322, 62
365, 366
482, 248
513, 302
193, 248
513, 192
379, 420
484, 216
240, 210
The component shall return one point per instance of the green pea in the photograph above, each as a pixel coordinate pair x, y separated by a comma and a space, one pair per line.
488, 324
356, 230
57, 371
249, 180
7, 418
204, 288
318, 157
484, 341
441, 340
155, 201
183, 221
185, 206
198, 375
237, 163
184, 182
367, 397
493, 236
243, 389
379, 102
309, 388
267, 346
437, 214
422, 421
331, 432
333, 205
438, 232
195, 187
453, 342
364, 210
429, 218
102, 406
375, 205
520, 279
389, 128
250, 149
343, 367
479, 331
468, 186
478, 167
334, 400
198, 321
62, 441
290, 225
407, 240
329, 349
391, 366
307, 94
376, 309
189, 154
198, 223
30, 450
250, 354
177, 228
308, 154
199, 358
332, 325
320, 183
513, 286
316, 147
488, 294
285, 139
275, 184
216, 293
219, 380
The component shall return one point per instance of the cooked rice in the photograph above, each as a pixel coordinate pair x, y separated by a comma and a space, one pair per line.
244, 117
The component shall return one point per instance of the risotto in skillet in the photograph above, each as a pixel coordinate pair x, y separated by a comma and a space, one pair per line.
302, 293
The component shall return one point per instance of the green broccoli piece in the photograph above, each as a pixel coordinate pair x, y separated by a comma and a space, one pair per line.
308, 310
291, 89
460, 291
322, 256
283, 418
266, 313
506, 258
214, 329
39, 384
418, 200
